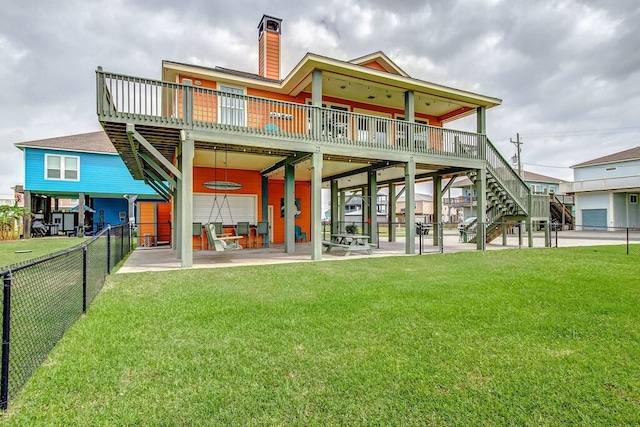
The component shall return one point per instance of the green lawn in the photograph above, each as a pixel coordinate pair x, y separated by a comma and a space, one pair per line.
38, 247
512, 337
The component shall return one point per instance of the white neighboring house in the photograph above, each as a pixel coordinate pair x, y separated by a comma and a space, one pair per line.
606, 191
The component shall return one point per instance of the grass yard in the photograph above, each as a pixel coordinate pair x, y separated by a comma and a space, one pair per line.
39, 247
512, 337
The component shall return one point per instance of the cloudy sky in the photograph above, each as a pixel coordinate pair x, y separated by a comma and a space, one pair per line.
568, 72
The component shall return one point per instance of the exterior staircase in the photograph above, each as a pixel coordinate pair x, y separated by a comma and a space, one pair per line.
561, 211
508, 197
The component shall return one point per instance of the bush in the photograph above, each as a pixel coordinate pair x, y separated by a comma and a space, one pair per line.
351, 229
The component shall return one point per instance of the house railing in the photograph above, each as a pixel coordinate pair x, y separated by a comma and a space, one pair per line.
601, 184
185, 106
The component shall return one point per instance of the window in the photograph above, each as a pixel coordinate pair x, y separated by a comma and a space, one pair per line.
66, 168
633, 199
231, 108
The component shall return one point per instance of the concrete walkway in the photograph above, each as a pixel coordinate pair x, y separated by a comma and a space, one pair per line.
164, 258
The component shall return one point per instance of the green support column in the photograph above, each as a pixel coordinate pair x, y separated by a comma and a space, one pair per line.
521, 228
409, 206
366, 209
530, 221
316, 206
335, 207
481, 195
373, 207
289, 209
481, 120
391, 214
341, 218
81, 202
316, 101
265, 199
409, 116
186, 208
437, 208
177, 218
504, 234
26, 219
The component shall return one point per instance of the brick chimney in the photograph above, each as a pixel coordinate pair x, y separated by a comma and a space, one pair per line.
269, 47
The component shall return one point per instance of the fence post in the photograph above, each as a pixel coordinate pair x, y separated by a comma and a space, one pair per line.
109, 250
122, 243
84, 279
627, 240
6, 329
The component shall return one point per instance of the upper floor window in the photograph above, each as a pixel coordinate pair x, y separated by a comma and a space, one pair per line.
231, 107
62, 167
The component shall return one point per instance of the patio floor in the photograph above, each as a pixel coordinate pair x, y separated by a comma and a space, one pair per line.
164, 258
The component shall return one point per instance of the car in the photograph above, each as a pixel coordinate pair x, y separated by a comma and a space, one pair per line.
326, 221
466, 223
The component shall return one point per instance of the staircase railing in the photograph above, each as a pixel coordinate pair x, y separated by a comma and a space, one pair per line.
513, 185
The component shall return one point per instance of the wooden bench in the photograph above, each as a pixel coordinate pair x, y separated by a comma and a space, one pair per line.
329, 245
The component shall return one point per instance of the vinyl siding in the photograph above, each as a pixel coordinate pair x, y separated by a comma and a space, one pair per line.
100, 174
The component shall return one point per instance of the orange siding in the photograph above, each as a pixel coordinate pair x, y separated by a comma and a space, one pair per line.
374, 65
164, 222
276, 193
146, 221
272, 56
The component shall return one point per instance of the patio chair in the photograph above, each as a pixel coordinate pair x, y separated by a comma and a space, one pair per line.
197, 232
262, 229
243, 229
300, 235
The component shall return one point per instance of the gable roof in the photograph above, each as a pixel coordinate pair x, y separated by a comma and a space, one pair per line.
95, 142
536, 177
621, 156
382, 60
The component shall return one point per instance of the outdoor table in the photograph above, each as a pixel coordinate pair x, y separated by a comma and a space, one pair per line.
350, 242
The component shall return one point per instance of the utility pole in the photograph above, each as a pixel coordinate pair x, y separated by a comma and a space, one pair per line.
518, 143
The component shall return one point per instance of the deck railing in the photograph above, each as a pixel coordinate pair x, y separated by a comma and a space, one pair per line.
515, 187
184, 106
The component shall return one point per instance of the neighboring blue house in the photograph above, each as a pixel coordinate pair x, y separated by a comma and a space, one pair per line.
85, 167
606, 190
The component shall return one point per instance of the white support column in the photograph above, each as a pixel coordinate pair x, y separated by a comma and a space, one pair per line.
409, 206
316, 206
186, 208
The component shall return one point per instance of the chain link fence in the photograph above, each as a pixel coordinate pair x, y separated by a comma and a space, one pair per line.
42, 298
517, 235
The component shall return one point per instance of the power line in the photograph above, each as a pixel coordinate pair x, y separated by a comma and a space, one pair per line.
546, 166
585, 132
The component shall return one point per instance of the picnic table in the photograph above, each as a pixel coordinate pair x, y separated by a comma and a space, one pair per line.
349, 242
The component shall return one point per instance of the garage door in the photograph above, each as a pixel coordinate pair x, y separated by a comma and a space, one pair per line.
228, 209
594, 219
